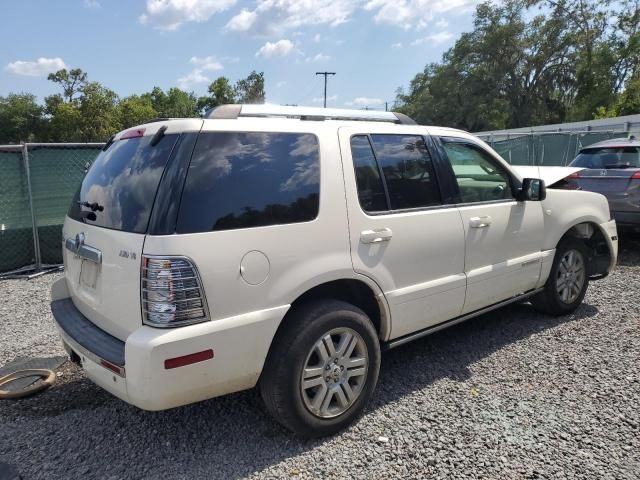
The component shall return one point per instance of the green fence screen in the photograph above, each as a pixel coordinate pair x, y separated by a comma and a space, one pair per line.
548, 149
55, 173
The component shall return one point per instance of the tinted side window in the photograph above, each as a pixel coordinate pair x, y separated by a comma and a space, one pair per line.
242, 180
408, 170
370, 189
480, 178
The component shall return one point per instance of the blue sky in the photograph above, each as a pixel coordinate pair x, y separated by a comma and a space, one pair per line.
375, 46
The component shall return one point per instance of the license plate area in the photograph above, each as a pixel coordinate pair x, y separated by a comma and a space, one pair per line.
88, 273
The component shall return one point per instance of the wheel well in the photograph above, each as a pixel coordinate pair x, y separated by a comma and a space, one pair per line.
351, 291
599, 255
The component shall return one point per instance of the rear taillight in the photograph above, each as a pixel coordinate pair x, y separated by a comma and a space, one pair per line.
574, 176
636, 176
172, 292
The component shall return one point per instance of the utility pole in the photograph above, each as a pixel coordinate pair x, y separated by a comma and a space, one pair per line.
326, 74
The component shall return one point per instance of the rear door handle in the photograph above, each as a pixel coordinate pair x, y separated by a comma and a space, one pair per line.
480, 222
376, 236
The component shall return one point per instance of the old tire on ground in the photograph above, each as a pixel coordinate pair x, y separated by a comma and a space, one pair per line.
568, 281
322, 368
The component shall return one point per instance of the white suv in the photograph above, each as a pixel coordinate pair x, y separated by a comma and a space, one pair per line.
285, 247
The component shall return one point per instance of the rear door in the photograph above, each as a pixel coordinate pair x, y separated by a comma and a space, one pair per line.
403, 234
105, 229
503, 236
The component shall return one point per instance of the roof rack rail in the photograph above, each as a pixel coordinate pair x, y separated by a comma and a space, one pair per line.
159, 119
234, 111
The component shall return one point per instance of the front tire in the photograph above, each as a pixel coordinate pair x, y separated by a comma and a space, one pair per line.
568, 280
322, 369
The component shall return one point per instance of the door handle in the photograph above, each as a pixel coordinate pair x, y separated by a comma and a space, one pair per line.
376, 236
480, 222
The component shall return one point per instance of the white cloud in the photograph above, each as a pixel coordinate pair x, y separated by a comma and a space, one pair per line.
280, 48
242, 22
435, 38
331, 98
317, 37
396, 45
281, 84
206, 63
442, 23
39, 67
320, 57
364, 102
408, 14
273, 17
193, 78
91, 4
170, 14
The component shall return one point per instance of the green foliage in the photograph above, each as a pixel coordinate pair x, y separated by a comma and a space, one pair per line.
87, 111
71, 81
174, 103
20, 118
135, 110
516, 68
250, 89
220, 93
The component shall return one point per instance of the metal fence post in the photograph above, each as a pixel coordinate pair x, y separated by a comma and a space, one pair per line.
36, 239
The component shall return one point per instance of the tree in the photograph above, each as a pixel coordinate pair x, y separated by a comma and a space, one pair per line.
250, 89
173, 103
220, 93
515, 69
20, 118
98, 111
134, 110
71, 81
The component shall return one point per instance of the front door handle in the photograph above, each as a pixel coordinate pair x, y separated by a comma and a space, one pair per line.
376, 236
480, 222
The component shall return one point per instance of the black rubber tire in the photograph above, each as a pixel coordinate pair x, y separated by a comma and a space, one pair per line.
281, 375
548, 301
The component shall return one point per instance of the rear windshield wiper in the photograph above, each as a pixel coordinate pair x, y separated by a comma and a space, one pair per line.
95, 206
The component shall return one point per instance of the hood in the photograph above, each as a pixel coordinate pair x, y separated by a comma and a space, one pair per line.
550, 175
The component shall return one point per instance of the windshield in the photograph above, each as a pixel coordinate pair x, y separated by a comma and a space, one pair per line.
612, 157
119, 188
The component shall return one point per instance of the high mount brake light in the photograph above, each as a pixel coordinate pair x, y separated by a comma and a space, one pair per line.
135, 133
171, 292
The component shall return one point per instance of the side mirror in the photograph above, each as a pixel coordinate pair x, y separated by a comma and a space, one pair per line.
533, 189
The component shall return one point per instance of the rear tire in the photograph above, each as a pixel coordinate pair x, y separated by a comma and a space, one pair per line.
322, 369
568, 280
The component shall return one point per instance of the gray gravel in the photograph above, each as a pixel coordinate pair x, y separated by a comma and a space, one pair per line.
513, 394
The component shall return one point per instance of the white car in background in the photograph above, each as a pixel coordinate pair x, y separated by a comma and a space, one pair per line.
285, 247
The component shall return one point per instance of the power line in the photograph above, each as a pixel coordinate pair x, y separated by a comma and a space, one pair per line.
326, 74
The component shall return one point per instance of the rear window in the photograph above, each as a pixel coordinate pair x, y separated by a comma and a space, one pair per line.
243, 180
120, 187
626, 157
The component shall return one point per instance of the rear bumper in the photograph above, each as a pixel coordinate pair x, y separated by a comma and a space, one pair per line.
240, 345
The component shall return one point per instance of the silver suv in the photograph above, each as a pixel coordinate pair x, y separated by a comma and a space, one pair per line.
286, 247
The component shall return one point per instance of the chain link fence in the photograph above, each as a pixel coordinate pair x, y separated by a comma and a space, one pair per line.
544, 149
37, 183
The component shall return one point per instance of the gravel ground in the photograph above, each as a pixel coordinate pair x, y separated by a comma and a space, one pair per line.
512, 394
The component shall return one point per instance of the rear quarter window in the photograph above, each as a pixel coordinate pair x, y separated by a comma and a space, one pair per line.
250, 179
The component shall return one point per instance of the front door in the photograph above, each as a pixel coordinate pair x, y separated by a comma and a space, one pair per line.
402, 234
503, 236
